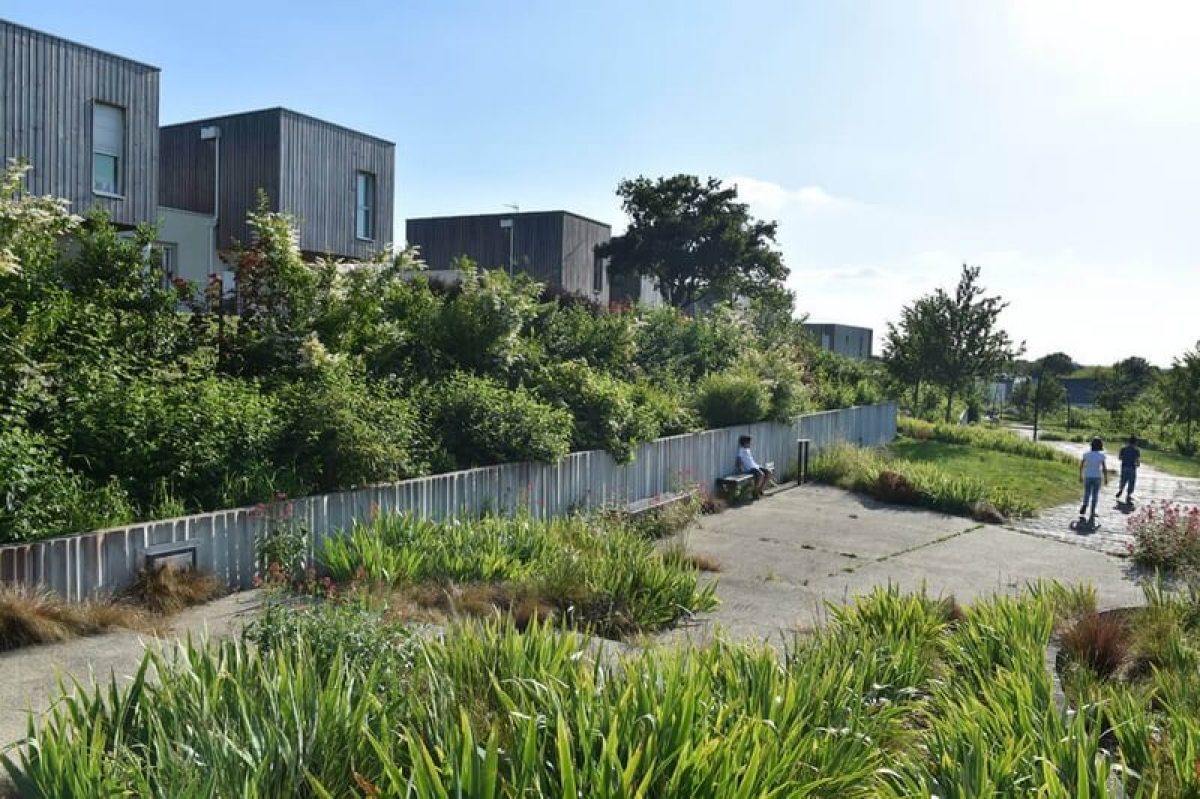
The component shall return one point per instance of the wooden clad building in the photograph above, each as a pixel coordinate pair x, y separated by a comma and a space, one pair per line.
338, 183
85, 120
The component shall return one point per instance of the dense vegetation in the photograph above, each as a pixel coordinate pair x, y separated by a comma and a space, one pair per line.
122, 398
900, 695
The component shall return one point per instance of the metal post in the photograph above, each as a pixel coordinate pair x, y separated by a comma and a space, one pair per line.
802, 448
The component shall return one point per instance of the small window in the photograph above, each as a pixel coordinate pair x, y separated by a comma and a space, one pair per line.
597, 274
108, 148
364, 205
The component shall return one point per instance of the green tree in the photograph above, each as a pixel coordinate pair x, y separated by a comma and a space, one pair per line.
695, 240
961, 341
1125, 383
910, 348
1181, 388
1048, 393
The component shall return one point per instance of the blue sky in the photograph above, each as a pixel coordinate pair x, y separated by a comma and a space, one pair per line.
1052, 142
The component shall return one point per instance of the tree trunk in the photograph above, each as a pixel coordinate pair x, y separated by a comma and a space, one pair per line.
917, 399
949, 405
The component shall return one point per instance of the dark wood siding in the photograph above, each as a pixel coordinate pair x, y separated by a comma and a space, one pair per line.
319, 161
580, 238
537, 242
249, 164
47, 89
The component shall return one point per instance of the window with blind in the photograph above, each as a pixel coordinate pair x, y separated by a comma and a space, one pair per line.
108, 148
364, 205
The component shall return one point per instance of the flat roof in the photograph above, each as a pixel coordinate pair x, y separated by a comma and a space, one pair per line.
280, 110
837, 324
71, 42
509, 215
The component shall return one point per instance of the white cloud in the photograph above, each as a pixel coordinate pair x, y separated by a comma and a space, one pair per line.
770, 199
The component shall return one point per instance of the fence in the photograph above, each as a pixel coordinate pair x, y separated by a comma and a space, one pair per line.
107, 561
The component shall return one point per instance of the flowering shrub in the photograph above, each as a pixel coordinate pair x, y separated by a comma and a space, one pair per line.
1166, 535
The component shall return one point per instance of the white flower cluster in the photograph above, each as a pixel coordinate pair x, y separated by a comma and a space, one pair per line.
26, 220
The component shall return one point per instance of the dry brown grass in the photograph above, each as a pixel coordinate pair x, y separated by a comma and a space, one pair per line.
434, 602
702, 562
35, 616
167, 590
1100, 641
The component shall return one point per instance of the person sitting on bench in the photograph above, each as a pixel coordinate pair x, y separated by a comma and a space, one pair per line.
747, 465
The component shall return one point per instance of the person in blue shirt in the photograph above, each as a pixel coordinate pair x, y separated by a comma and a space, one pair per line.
1093, 472
1131, 460
746, 464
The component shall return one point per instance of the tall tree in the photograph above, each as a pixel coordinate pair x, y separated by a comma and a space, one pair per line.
695, 240
1124, 383
910, 347
966, 343
1181, 387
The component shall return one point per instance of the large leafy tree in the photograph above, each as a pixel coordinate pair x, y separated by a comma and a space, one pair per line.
697, 242
1127, 380
1048, 393
953, 340
910, 347
1181, 387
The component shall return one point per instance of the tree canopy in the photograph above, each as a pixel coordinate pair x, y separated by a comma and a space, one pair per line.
1125, 383
695, 240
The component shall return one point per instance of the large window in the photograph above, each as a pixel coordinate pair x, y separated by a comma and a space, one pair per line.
364, 205
108, 148
597, 274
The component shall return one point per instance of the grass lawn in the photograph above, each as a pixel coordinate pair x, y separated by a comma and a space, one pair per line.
1042, 483
1171, 462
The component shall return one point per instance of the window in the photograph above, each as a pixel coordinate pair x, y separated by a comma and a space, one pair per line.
364, 205
108, 148
597, 274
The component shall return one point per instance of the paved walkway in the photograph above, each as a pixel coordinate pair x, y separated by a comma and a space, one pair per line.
783, 558
1112, 536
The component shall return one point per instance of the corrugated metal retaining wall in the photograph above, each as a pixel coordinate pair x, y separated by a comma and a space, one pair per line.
106, 561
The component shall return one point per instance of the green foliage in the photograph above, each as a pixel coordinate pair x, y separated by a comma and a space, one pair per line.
598, 574
872, 472
480, 422
606, 341
605, 411
900, 695
1124, 383
695, 240
982, 438
1181, 388
675, 348
725, 399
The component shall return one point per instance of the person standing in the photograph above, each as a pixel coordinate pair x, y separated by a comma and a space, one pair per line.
1093, 473
1131, 461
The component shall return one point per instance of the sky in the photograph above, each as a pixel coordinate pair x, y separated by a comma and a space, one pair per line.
1053, 143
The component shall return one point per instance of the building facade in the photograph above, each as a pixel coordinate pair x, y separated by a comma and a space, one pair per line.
85, 120
338, 183
557, 248
854, 342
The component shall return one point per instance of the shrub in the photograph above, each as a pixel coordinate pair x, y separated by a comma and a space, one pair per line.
480, 422
891, 486
725, 399
31, 616
40, 497
1166, 536
603, 408
343, 430
669, 411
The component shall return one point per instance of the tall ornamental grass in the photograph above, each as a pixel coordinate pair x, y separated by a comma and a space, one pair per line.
606, 576
899, 696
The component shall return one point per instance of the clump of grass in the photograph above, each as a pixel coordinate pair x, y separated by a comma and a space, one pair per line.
604, 575
981, 438
166, 590
30, 616
892, 479
1100, 641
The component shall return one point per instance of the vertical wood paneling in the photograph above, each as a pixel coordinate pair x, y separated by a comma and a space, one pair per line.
47, 88
581, 236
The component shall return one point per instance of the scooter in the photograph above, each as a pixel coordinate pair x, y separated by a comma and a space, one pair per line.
1085, 524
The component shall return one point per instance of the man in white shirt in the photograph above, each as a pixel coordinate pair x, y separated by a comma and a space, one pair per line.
1093, 473
747, 465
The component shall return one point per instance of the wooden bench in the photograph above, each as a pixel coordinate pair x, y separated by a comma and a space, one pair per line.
173, 555
657, 501
732, 485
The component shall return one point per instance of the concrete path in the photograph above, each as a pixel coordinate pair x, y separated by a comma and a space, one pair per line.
30, 675
784, 557
1113, 536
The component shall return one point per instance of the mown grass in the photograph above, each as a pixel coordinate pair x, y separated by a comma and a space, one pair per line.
899, 696
1039, 482
988, 438
604, 574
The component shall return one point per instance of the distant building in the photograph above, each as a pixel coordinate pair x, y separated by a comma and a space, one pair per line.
854, 342
557, 248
